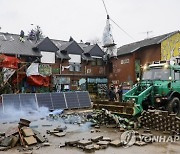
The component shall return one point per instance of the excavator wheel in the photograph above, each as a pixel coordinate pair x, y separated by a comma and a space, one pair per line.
145, 105
174, 106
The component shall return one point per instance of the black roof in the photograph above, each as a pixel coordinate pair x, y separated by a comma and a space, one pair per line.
87, 57
94, 50
10, 44
59, 43
47, 45
62, 55
71, 47
130, 48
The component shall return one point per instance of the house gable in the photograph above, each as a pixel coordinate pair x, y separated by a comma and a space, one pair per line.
74, 48
47, 45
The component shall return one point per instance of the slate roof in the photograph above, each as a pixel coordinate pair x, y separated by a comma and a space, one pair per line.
65, 46
87, 57
47, 45
95, 50
11, 45
88, 48
62, 55
58, 43
71, 47
130, 48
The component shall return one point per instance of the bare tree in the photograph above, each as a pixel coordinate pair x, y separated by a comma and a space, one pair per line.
35, 34
96, 40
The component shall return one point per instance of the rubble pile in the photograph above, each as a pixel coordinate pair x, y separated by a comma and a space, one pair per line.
74, 118
101, 142
59, 131
97, 117
105, 117
21, 135
71, 118
27, 137
160, 121
95, 143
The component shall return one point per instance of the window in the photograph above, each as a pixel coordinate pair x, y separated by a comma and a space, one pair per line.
97, 62
75, 67
93, 63
156, 74
71, 68
176, 75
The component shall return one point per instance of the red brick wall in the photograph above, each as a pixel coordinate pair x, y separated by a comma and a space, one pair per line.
95, 70
122, 72
126, 72
149, 54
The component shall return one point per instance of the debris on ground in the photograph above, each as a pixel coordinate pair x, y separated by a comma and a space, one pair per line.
160, 121
111, 120
26, 136
21, 134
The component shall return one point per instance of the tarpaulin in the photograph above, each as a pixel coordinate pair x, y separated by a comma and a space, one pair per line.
38, 80
35, 78
33, 69
9, 62
108, 41
107, 35
19, 78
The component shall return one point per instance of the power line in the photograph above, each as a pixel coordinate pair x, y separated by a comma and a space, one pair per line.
122, 29
115, 22
105, 7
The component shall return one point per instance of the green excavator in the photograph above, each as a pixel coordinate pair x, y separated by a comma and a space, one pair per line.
158, 88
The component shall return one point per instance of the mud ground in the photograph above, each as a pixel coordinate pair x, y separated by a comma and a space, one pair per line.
83, 131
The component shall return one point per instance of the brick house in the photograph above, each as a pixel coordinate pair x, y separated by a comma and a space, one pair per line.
126, 67
72, 65
75, 66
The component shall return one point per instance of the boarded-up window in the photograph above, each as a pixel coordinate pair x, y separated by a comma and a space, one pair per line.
75, 58
47, 57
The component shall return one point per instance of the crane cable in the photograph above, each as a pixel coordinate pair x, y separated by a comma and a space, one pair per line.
116, 23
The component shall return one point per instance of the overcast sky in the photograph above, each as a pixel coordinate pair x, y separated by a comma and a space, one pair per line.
85, 19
